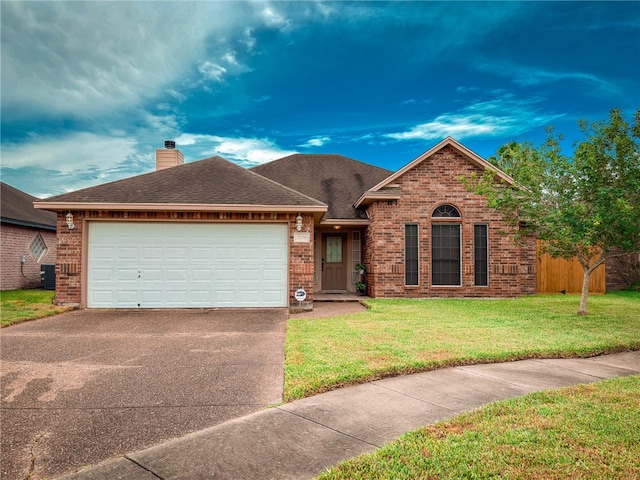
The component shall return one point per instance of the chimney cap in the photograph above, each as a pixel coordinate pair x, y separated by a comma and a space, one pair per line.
169, 144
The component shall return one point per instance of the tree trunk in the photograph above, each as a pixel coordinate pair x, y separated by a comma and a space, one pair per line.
588, 270
582, 310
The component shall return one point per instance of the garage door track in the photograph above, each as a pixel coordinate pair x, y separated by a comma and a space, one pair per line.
89, 385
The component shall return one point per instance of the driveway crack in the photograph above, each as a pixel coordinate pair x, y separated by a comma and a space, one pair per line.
32, 452
144, 468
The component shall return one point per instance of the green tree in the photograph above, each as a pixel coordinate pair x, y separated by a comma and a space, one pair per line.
586, 205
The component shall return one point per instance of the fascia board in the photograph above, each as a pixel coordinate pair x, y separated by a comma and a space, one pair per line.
146, 207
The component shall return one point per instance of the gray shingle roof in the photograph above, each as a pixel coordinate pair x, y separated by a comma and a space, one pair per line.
336, 180
212, 181
16, 207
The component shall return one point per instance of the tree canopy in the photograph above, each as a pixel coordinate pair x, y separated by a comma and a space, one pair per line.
585, 205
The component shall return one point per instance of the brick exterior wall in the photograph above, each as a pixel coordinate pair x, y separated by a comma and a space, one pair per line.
70, 245
15, 243
433, 182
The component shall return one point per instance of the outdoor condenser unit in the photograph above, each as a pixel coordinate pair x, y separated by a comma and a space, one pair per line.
48, 277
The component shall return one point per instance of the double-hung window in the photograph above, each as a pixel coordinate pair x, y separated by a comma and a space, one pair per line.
411, 259
481, 255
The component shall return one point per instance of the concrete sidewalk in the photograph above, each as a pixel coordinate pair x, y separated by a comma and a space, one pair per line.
301, 439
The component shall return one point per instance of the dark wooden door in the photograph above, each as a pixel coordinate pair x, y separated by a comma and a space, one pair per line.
334, 262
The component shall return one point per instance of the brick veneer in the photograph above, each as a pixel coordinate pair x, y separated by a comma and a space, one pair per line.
70, 245
435, 181
15, 243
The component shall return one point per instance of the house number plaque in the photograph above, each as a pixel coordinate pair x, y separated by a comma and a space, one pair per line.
301, 237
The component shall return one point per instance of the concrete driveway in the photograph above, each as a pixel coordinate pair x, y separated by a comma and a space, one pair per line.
89, 385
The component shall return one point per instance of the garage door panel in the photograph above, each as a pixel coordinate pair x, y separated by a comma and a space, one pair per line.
272, 297
176, 275
103, 297
148, 274
201, 253
225, 253
103, 253
102, 275
127, 253
200, 296
155, 265
275, 274
151, 297
248, 275
126, 274
201, 275
152, 254
273, 254
249, 254
180, 254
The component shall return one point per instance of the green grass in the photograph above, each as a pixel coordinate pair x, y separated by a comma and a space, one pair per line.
21, 305
406, 336
587, 431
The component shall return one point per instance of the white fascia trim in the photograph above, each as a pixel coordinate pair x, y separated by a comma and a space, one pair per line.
191, 207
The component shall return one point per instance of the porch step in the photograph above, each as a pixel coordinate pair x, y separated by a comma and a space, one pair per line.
338, 297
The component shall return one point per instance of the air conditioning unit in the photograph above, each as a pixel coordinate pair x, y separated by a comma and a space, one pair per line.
48, 276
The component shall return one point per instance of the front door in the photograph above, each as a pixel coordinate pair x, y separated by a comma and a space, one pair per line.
334, 262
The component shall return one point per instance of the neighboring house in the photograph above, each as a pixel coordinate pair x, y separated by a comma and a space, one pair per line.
27, 239
213, 234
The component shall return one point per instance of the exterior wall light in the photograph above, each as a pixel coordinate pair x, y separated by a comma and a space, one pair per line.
299, 223
70, 223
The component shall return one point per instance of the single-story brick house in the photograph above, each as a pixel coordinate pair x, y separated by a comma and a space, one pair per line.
213, 234
28, 239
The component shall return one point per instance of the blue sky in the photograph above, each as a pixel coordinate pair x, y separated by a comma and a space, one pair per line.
89, 90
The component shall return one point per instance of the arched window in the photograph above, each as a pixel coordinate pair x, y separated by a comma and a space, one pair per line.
445, 247
446, 211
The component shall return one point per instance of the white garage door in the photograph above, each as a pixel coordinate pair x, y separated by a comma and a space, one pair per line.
171, 265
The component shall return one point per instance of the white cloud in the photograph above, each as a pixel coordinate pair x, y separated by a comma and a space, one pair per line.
274, 19
458, 126
230, 58
70, 154
316, 142
416, 101
248, 39
240, 150
85, 59
212, 71
527, 76
492, 118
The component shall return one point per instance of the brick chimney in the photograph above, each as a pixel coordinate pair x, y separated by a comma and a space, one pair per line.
168, 156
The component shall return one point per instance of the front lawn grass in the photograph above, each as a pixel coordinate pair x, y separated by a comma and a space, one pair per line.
21, 305
398, 336
586, 431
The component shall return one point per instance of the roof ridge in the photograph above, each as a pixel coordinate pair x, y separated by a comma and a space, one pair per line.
361, 162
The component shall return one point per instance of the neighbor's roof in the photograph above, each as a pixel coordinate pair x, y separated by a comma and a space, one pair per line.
336, 180
16, 207
385, 189
210, 184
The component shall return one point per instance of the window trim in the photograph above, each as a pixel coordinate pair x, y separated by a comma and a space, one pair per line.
417, 284
486, 226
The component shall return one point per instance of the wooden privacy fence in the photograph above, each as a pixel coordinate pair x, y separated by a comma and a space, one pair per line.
557, 275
